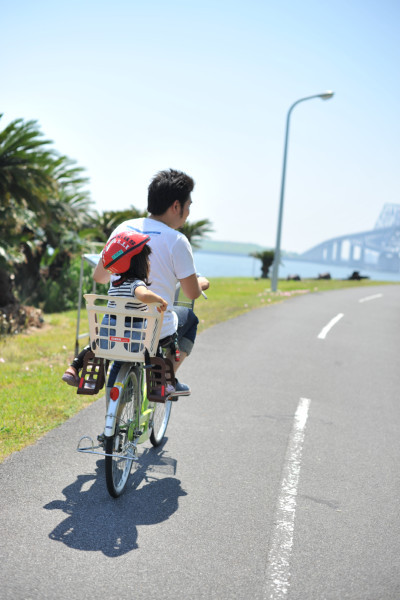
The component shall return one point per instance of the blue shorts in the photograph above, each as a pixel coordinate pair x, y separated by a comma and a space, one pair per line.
187, 328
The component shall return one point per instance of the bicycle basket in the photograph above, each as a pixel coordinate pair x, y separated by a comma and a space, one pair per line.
120, 332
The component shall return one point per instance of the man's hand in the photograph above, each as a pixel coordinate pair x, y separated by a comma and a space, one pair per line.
192, 286
203, 283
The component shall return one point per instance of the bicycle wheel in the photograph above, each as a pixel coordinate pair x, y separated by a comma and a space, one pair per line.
160, 420
119, 447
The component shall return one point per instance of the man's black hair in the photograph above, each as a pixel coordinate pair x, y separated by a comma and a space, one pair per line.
139, 268
165, 188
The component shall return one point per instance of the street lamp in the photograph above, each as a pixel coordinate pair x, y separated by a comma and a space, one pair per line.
274, 280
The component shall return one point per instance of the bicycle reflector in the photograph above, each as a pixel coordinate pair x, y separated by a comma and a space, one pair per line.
114, 393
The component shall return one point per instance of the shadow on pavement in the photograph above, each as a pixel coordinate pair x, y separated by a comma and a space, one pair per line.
97, 522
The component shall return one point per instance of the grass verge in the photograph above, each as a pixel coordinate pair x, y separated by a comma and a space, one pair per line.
33, 398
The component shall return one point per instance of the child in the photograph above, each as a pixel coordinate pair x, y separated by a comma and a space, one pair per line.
126, 257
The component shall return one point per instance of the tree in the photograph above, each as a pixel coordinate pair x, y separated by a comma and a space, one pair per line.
43, 205
267, 259
196, 231
25, 165
107, 221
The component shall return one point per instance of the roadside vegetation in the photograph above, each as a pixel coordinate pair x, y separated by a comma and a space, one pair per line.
47, 221
33, 398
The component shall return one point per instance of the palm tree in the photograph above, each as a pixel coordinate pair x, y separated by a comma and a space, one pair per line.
25, 165
196, 231
43, 204
267, 259
105, 223
24, 177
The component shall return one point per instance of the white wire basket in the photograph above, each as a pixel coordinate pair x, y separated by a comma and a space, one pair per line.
120, 332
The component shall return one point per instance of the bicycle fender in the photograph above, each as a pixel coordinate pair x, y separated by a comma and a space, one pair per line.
113, 405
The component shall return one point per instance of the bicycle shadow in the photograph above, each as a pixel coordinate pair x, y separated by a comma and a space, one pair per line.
98, 523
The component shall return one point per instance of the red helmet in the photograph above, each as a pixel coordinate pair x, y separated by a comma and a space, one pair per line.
118, 251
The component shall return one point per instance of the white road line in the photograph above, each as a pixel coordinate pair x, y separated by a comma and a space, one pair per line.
374, 297
278, 567
324, 332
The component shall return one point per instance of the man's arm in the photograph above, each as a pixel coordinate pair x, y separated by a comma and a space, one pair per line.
192, 286
100, 274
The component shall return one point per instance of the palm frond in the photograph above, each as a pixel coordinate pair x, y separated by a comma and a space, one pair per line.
196, 231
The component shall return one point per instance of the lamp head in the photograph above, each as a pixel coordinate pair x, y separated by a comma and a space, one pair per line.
326, 95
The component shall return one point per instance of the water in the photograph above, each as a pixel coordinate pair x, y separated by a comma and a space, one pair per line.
212, 264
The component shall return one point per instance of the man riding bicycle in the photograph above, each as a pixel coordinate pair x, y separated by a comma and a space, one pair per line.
171, 259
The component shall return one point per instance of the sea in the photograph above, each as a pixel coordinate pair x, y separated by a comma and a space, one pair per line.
212, 264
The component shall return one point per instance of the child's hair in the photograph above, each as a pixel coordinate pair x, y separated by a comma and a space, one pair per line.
139, 268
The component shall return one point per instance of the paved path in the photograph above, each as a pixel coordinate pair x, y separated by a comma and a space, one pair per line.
279, 478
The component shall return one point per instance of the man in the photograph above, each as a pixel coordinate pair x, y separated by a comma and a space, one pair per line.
171, 260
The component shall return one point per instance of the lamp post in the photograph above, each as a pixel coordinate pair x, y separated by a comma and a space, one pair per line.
274, 280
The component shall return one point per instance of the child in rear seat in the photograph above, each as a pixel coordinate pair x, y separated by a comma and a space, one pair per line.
126, 256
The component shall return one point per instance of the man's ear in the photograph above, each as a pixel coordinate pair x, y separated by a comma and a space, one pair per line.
176, 205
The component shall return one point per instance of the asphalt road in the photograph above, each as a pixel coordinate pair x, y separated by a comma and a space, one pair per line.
279, 477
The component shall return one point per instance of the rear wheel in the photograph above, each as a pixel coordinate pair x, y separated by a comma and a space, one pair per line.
161, 416
119, 447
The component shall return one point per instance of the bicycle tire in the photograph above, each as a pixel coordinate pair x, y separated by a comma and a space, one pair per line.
161, 415
118, 447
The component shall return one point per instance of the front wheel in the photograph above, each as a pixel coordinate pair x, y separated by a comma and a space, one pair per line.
119, 447
161, 416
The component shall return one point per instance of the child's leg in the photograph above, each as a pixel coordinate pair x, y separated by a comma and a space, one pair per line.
77, 363
71, 375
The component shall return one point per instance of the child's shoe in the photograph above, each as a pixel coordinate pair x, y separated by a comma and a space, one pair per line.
70, 376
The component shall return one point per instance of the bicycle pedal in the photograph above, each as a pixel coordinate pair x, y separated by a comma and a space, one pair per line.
177, 395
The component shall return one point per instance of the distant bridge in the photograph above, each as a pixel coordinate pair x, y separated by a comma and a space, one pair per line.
377, 249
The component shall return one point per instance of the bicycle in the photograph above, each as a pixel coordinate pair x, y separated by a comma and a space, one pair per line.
139, 403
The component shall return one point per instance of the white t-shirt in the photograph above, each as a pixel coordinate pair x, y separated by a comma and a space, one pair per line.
171, 259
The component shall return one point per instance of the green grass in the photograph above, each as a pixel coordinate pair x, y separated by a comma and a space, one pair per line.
33, 398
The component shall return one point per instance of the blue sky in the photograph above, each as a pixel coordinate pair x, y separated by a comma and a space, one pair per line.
127, 88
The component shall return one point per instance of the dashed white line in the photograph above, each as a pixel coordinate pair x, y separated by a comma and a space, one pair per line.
324, 332
278, 568
368, 298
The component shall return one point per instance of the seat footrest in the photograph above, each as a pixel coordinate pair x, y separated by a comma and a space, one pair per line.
92, 378
158, 377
